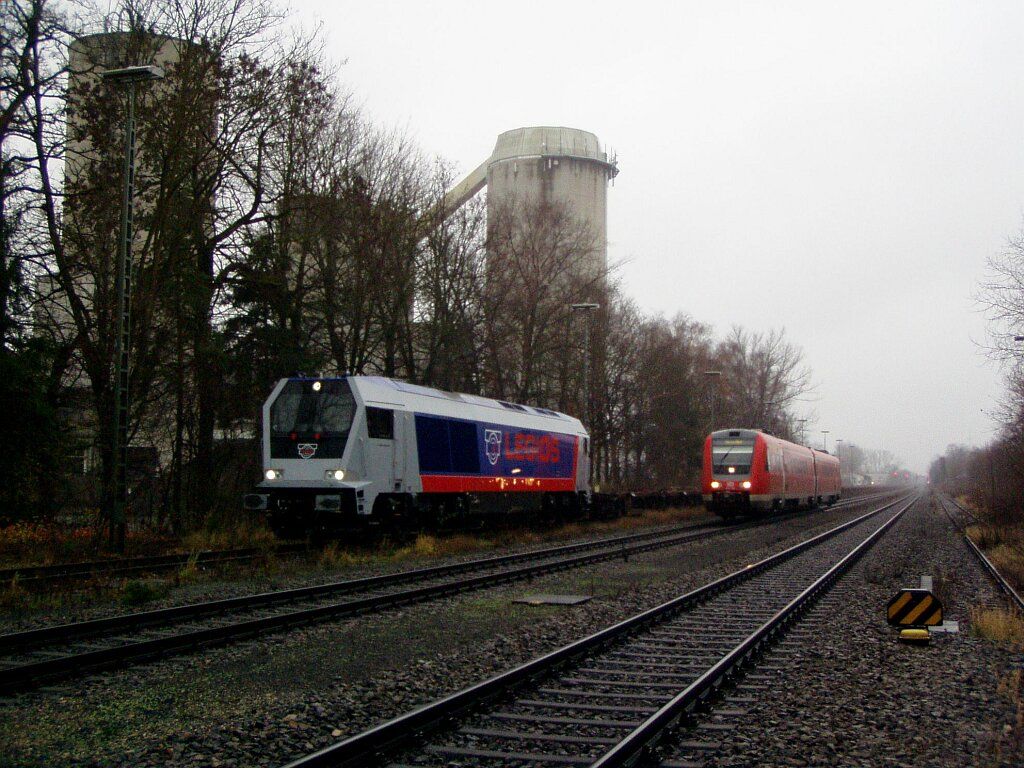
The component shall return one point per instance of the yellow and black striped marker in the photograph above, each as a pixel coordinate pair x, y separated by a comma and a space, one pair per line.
915, 608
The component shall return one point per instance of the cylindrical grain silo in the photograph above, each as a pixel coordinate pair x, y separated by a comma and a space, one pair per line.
555, 165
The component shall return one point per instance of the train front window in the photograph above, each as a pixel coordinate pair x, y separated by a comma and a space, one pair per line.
311, 419
731, 456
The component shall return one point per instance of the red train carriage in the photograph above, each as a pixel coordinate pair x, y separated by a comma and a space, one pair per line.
747, 471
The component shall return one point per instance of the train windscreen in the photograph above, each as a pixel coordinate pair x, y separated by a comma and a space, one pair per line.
311, 419
731, 455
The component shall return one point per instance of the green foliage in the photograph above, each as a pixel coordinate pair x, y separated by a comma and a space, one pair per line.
142, 591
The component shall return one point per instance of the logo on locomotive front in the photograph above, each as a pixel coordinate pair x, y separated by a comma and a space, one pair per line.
307, 450
492, 437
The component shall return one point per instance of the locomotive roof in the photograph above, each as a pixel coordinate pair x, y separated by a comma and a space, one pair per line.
749, 433
458, 397
737, 432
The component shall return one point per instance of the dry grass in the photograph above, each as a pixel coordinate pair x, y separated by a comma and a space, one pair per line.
242, 536
189, 572
335, 556
1004, 546
1011, 688
27, 543
646, 519
1009, 561
999, 625
429, 546
985, 536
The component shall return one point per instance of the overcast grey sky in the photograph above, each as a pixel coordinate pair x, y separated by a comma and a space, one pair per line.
842, 170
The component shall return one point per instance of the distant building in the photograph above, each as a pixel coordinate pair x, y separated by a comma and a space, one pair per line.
92, 209
548, 164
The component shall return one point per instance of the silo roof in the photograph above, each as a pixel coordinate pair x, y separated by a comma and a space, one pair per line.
548, 141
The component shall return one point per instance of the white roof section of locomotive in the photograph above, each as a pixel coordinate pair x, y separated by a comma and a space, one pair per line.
381, 390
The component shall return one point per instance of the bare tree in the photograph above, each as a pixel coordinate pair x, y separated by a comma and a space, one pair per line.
1001, 296
205, 135
536, 252
449, 306
763, 375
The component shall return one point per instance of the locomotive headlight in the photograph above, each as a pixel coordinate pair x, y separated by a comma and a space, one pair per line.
316, 386
732, 470
273, 474
335, 474
746, 484
715, 484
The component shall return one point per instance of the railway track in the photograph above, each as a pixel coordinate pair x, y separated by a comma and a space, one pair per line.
45, 575
1004, 586
611, 698
38, 656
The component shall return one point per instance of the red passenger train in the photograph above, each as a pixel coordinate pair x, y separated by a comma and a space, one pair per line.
747, 471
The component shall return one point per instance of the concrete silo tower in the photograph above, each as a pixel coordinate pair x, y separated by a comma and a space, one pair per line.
548, 164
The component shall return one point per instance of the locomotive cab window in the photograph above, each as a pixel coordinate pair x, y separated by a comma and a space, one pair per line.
314, 414
380, 423
732, 455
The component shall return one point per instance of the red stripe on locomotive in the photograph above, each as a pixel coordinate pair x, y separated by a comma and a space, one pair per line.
479, 484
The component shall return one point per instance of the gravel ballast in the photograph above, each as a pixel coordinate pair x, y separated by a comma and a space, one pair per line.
842, 690
272, 699
262, 701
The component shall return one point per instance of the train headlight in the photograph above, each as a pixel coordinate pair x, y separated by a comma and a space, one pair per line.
273, 474
732, 470
746, 484
335, 474
317, 386
715, 484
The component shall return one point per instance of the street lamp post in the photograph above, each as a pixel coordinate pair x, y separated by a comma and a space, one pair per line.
717, 376
129, 77
586, 307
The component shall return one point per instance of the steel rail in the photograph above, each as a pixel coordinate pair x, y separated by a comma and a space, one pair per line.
31, 575
27, 675
1001, 582
177, 614
999, 579
36, 574
643, 739
362, 749
32, 673
63, 633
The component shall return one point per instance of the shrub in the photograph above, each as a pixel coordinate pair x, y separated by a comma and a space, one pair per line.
142, 591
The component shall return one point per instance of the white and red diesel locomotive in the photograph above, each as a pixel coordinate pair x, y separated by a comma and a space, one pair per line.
747, 471
366, 451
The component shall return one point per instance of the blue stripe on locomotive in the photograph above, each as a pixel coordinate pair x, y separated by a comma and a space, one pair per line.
448, 446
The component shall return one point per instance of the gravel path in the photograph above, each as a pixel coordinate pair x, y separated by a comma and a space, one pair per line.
269, 700
845, 692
